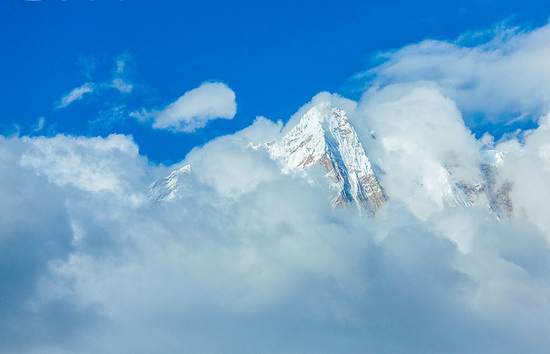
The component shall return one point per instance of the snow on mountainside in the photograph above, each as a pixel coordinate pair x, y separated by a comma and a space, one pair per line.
169, 187
490, 190
496, 190
324, 136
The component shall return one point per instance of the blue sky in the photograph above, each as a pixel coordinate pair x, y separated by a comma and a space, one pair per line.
275, 56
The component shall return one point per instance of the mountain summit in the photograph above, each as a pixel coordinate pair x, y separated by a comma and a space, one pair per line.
324, 140
325, 137
169, 187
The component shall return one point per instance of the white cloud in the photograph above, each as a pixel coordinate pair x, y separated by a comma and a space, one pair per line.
506, 76
527, 165
120, 64
421, 137
35, 229
89, 164
76, 94
211, 100
252, 253
122, 86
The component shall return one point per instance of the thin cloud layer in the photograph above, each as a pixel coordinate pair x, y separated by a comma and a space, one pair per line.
209, 101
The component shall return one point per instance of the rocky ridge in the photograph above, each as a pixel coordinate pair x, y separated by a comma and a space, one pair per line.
325, 137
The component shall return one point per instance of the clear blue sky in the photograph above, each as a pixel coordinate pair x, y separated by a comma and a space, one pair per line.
275, 55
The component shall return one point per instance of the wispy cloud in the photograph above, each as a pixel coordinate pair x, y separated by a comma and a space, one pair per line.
121, 85
107, 119
118, 82
39, 125
76, 94
120, 64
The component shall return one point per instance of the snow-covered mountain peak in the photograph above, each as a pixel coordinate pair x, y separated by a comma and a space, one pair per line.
168, 187
325, 137
323, 114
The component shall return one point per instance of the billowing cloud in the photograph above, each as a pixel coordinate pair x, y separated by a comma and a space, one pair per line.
89, 164
257, 259
76, 94
209, 101
420, 137
527, 163
35, 229
504, 77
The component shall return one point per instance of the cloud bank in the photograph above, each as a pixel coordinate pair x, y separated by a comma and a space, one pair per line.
251, 260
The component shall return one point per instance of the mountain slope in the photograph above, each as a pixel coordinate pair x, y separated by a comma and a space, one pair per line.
169, 187
324, 137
